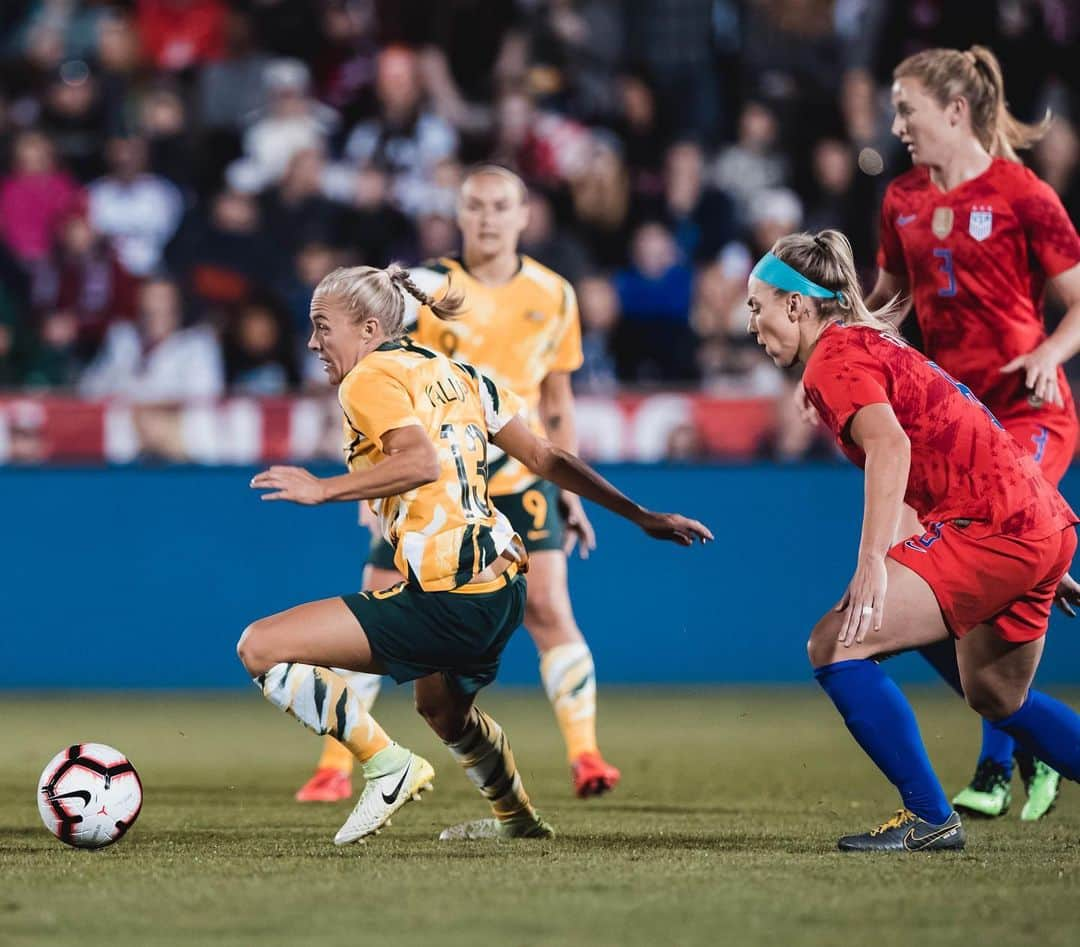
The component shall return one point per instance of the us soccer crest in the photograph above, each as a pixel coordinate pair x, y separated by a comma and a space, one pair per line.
981, 222
942, 221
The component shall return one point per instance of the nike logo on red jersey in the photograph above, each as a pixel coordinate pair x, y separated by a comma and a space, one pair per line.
904, 219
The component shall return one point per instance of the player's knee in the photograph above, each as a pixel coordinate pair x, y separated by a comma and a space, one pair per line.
549, 617
992, 704
821, 645
251, 650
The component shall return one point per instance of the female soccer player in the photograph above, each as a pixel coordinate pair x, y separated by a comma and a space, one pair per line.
995, 541
416, 431
519, 326
973, 236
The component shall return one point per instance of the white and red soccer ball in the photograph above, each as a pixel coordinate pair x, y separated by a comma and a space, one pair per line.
89, 795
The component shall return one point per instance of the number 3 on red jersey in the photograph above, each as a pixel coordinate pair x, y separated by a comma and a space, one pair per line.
945, 267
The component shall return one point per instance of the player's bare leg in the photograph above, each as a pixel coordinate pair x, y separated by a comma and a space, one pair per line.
479, 745
566, 668
290, 655
332, 779
997, 677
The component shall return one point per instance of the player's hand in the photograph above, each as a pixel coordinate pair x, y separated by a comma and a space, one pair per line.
1067, 596
807, 412
863, 603
674, 528
579, 531
1040, 373
290, 483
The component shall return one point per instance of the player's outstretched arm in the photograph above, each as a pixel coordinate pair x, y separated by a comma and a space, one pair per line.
890, 288
411, 461
569, 472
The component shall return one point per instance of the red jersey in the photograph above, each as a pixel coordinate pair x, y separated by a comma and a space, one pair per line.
964, 464
977, 259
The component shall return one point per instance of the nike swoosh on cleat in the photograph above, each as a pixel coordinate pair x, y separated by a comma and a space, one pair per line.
923, 840
389, 800
904, 219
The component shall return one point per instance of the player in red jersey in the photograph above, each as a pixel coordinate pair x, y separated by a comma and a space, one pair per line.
994, 543
971, 237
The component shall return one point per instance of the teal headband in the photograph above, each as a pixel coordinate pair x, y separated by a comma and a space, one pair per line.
774, 271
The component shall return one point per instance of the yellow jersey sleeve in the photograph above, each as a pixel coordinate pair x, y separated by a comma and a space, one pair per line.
568, 355
501, 406
385, 404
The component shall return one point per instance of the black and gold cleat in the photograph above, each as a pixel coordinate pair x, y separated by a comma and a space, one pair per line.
906, 832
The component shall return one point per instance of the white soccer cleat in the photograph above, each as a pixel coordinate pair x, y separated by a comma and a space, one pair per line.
383, 796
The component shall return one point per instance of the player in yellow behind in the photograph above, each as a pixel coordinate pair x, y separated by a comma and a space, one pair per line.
416, 430
520, 327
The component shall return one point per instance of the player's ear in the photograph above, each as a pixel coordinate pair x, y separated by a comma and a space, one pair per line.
956, 110
794, 306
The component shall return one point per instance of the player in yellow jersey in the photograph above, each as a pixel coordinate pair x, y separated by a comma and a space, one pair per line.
520, 327
416, 430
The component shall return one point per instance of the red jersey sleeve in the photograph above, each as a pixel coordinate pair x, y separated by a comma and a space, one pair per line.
1050, 232
890, 255
841, 381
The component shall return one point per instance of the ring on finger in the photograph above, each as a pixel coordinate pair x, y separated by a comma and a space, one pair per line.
868, 609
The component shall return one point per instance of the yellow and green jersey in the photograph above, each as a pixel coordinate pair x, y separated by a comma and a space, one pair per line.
447, 531
517, 334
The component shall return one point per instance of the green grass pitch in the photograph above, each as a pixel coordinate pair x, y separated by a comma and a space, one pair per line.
723, 832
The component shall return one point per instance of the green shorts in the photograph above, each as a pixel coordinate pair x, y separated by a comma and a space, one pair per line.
414, 633
533, 513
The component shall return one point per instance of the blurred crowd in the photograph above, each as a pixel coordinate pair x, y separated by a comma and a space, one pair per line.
178, 174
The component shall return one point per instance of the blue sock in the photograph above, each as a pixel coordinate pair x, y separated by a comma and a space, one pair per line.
996, 744
883, 724
1050, 729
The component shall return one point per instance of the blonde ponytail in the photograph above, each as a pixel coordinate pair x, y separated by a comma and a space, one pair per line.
975, 76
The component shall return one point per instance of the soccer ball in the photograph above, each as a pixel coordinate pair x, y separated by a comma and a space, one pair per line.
89, 795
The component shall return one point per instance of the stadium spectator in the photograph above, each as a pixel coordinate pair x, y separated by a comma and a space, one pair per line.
221, 256
295, 209
404, 138
73, 117
156, 359
371, 227
542, 146
117, 65
601, 200
232, 89
34, 197
841, 200
574, 48
163, 122
293, 121
310, 264
701, 218
637, 126
598, 304
673, 40
138, 211
84, 282
654, 341
259, 351
557, 249
178, 34
752, 164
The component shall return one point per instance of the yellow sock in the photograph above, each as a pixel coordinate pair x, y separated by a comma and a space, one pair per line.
336, 756
485, 754
570, 681
323, 701
366, 687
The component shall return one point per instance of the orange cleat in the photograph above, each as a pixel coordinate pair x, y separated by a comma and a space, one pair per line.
593, 776
327, 785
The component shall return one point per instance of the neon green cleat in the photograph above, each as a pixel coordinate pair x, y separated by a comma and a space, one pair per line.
532, 826
988, 794
1042, 785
